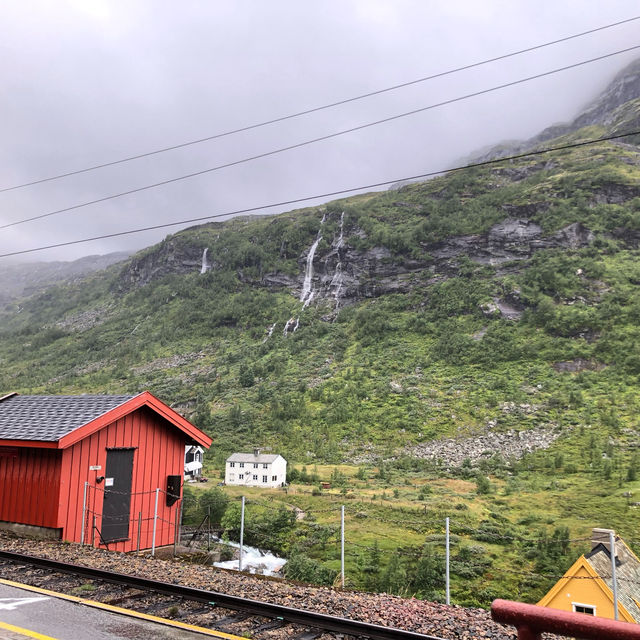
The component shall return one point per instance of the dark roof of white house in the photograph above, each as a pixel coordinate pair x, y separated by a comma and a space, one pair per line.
250, 457
50, 418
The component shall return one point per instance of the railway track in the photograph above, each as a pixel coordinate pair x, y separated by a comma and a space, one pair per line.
209, 609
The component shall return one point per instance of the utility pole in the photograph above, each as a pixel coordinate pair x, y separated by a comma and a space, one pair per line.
612, 549
84, 512
448, 595
342, 544
155, 524
241, 535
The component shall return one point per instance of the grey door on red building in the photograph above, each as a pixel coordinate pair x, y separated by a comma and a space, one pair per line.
116, 509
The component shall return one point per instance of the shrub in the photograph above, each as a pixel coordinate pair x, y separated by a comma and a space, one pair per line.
304, 569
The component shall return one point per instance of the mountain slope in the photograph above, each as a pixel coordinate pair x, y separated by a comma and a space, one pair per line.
27, 279
486, 302
460, 300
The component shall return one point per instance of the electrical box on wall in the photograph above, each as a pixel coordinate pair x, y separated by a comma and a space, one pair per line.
174, 486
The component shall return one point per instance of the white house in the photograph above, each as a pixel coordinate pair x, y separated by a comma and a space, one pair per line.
193, 456
256, 470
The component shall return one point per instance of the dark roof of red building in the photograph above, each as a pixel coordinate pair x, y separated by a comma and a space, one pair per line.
60, 421
49, 418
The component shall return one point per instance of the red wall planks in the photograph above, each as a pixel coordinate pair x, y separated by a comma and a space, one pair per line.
30, 479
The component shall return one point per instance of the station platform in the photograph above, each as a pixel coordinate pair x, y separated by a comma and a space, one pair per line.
30, 612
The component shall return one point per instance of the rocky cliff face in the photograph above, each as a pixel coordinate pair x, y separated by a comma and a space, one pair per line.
171, 256
341, 274
377, 272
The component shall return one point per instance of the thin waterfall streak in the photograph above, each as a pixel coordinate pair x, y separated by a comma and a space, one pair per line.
271, 328
337, 282
205, 265
307, 286
289, 323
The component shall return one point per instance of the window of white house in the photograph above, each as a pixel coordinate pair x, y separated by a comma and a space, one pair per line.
241, 465
584, 608
265, 465
197, 456
231, 476
255, 477
264, 478
255, 465
274, 478
232, 464
241, 476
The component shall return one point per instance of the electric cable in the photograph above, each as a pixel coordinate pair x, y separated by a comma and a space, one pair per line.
319, 108
328, 136
322, 195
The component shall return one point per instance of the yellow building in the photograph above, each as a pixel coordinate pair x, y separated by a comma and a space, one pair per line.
587, 586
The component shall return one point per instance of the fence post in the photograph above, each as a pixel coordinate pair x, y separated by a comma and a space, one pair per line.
448, 595
93, 532
139, 529
84, 513
612, 549
342, 545
181, 515
241, 535
209, 528
176, 532
155, 524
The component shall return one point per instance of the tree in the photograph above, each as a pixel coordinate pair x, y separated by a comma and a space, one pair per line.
301, 567
483, 486
426, 578
213, 502
370, 567
394, 577
246, 376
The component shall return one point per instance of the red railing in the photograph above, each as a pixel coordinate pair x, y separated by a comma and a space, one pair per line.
531, 621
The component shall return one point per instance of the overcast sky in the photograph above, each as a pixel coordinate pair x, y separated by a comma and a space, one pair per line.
91, 81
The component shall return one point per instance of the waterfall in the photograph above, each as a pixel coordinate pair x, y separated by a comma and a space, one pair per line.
290, 323
337, 282
307, 292
205, 265
297, 324
341, 236
271, 328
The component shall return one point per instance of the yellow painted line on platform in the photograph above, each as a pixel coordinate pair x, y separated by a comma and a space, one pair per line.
24, 632
120, 610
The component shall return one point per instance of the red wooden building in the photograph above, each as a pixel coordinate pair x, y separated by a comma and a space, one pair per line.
116, 460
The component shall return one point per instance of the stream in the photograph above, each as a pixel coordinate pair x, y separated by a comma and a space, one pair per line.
254, 560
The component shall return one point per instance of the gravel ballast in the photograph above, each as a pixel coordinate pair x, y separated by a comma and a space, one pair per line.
450, 622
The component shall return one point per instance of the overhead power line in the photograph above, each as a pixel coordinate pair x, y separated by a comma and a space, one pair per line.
305, 143
330, 105
328, 194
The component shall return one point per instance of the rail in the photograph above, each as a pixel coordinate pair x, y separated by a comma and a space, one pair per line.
253, 607
531, 621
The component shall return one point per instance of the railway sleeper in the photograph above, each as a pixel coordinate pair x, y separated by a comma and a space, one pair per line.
310, 634
271, 624
228, 620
